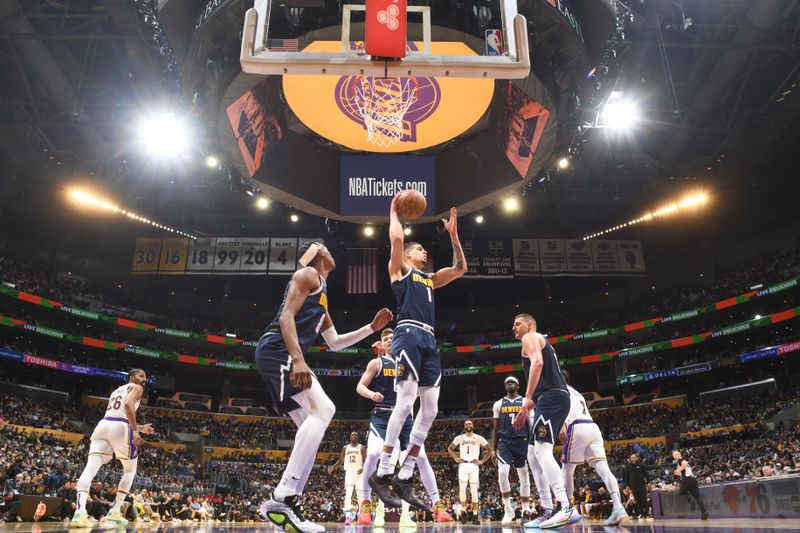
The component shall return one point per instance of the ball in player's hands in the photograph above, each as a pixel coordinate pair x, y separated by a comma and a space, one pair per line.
410, 204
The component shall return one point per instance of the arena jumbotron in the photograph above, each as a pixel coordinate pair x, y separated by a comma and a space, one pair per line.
309, 265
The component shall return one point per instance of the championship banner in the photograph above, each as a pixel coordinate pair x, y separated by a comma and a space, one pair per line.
526, 257
775, 497
553, 256
488, 258
368, 183
604, 254
576, 257
579, 257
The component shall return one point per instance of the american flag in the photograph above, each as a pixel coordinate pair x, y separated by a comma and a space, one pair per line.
362, 271
282, 45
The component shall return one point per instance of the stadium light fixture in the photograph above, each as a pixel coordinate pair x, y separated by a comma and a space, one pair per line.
563, 163
619, 113
294, 218
369, 231
407, 231
262, 202
511, 204
479, 219
212, 161
164, 135
85, 198
692, 201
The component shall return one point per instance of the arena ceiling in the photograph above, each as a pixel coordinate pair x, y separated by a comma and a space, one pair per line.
717, 82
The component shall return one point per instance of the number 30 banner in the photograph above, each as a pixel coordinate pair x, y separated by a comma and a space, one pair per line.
220, 256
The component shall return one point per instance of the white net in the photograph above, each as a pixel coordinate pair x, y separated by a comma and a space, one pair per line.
382, 103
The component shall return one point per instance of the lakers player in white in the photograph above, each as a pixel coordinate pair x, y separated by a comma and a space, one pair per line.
116, 435
353, 455
468, 458
583, 442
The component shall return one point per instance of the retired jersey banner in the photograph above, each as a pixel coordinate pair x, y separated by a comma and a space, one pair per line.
218, 256
368, 183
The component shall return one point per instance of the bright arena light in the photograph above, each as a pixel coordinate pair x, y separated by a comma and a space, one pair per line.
479, 219
369, 231
563, 163
164, 136
88, 199
692, 201
619, 113
407, 231
294, 218
262, 202
212, 161
511, 204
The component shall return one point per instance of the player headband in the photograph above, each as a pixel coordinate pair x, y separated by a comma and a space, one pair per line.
311, 253
511, 378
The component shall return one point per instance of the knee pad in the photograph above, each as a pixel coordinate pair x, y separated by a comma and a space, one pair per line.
502, 477
524, 482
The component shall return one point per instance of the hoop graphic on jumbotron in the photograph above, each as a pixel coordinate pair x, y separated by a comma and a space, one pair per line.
389, 109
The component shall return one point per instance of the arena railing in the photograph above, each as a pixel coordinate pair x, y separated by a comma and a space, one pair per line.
554, 339
661, 346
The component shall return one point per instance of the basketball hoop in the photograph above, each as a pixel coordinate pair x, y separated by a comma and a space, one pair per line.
382, 104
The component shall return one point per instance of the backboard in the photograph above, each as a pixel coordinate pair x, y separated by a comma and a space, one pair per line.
511, 62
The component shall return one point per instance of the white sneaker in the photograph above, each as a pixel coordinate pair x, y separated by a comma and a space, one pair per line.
287, 515
617, 516
508, 516
564, 517
536, 522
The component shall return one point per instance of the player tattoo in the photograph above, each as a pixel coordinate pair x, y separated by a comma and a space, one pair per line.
458, 255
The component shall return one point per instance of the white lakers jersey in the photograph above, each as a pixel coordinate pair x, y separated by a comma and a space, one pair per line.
116, 402
353, 461
469, 446
577, 407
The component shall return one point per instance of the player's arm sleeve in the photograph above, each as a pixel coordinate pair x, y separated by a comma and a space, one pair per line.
496, 408
336, 342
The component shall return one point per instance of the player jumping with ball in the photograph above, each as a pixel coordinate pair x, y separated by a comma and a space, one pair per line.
414, 347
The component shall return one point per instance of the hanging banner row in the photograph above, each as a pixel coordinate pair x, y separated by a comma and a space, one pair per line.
221, 255
506, 258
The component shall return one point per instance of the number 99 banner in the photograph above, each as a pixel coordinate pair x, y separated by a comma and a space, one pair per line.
222, 255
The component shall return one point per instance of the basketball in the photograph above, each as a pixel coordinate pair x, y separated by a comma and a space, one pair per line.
411, 204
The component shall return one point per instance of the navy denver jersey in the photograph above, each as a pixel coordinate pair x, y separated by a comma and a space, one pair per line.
551, 377
308, 319
414, 294
384, 382
508, 412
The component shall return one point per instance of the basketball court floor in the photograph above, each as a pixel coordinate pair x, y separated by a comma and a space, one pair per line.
660, 526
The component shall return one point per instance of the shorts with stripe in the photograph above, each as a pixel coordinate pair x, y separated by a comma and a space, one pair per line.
114, 436
275, 365
379, 421
552, 409
513, 451
584, 443
416, 354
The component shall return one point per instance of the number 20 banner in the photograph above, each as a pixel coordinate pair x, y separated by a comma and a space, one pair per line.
220, 256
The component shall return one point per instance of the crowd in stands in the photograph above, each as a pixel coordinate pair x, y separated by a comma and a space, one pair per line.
230, 489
